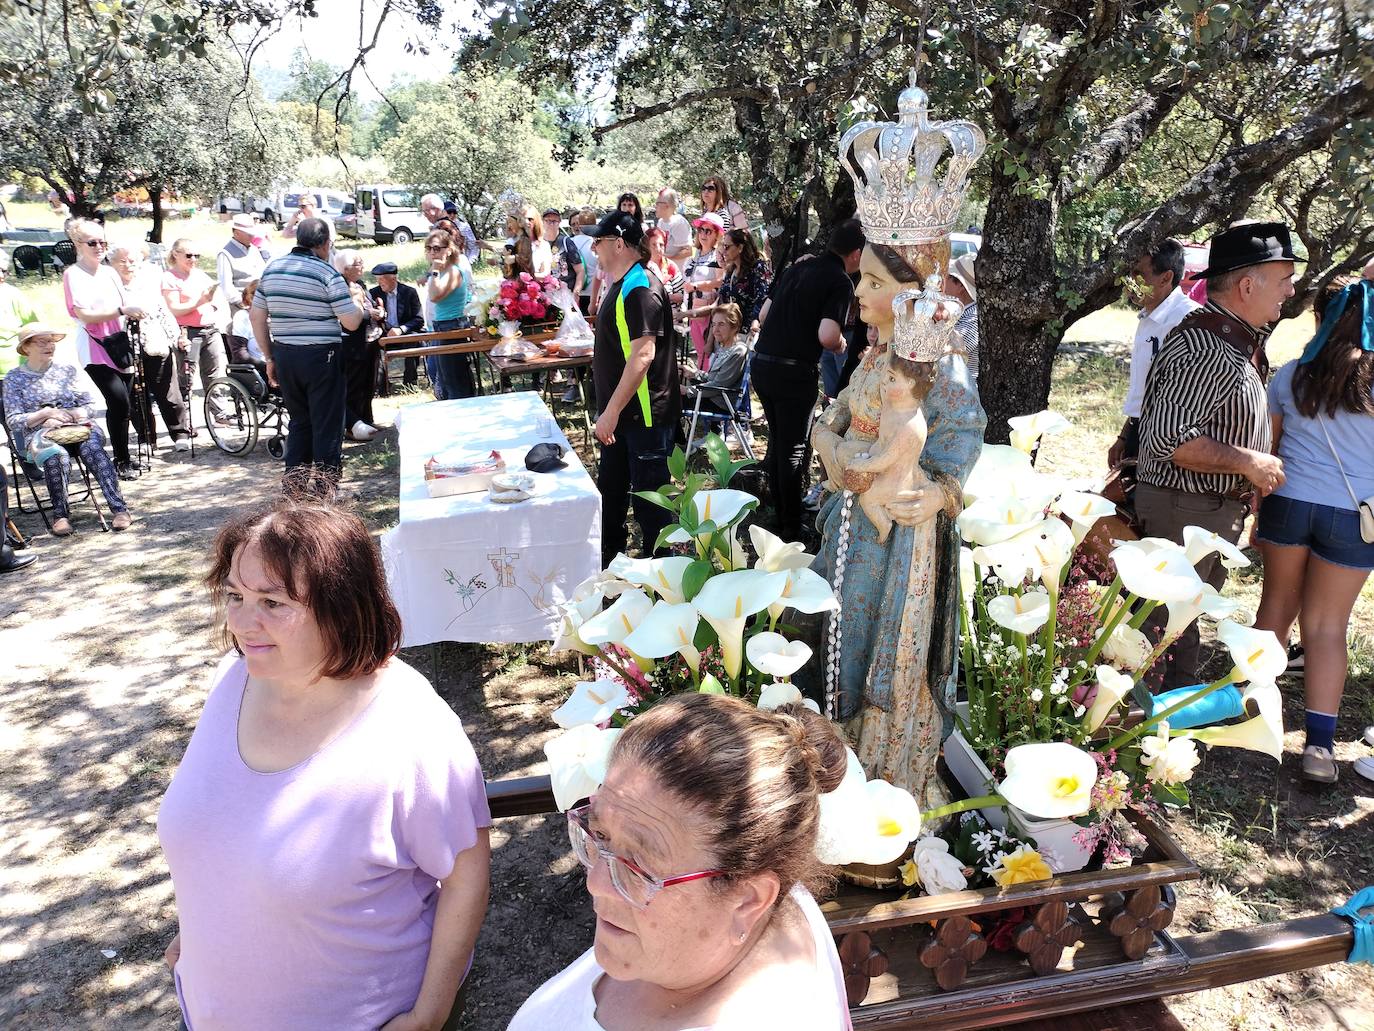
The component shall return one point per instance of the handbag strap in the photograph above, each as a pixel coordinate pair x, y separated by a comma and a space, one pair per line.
1337, 457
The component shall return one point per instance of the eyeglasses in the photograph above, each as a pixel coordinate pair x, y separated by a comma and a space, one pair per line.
193, 257
95, 245
708, 186
435, 247
635, 886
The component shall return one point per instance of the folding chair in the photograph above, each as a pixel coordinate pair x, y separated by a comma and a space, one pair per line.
28, 259
737, 410
22, 470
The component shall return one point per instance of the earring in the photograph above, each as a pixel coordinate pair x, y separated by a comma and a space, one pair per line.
742, 936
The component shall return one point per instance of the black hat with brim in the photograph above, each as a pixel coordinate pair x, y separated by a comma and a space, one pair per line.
1254, 243
386, 268
622, 224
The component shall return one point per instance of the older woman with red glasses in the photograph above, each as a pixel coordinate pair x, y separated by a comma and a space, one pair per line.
700, 850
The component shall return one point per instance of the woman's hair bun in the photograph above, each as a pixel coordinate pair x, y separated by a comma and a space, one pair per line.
821, 745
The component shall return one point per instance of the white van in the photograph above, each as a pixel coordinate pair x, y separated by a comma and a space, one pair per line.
281, 206
390, 214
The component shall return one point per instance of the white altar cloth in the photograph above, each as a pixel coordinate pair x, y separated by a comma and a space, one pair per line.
464, 568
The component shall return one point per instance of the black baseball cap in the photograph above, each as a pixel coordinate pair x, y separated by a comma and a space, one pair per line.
450, 208
552, 211
618, 223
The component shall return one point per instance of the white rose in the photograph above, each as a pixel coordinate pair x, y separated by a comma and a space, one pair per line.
940, 872
1127, 648
1168, 762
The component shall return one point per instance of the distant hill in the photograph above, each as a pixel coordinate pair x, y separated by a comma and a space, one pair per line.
274, 81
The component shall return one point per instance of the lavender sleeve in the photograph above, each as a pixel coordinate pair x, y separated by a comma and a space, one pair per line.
441, 801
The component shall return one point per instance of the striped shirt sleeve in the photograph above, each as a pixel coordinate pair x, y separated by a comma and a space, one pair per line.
1187, 385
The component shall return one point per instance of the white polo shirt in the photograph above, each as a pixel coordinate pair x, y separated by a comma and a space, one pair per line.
1149, 337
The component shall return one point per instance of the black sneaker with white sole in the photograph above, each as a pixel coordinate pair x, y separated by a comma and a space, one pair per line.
1297, 661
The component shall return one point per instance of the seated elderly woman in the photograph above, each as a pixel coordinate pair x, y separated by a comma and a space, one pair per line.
724, 365
162, 343
45, 405
327, 829
700, 850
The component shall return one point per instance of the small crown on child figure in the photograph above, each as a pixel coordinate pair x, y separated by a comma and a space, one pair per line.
513, 203
917, 334
893, 166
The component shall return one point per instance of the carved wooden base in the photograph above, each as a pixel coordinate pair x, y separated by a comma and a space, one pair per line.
955, 947
861, 962
1134, 918
1045, 936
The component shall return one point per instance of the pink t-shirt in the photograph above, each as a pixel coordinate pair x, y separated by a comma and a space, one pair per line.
306, 897
97, 291
182, 291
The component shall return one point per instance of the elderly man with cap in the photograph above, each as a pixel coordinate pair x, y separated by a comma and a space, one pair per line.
635, 372
240, 262
1204, 426
962, 286
396, 308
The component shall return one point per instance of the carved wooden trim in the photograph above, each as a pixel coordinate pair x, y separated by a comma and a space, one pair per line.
955, 947
860, 961
1135, 919
1045, 936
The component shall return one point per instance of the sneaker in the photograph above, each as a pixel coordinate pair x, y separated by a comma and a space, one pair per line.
570, 395
127, 471
362, 431
1318, 765
1365, 767
1369, 736
181, 444
1297, 661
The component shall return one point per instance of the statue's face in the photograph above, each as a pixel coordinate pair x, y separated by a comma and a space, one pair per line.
875, 291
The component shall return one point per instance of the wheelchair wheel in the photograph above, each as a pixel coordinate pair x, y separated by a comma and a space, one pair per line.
231, 416
276, 447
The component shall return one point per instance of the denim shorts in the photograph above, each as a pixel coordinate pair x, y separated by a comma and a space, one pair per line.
1332, 534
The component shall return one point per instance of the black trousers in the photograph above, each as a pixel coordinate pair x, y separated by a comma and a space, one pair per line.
638, 460
360, 377
312, 389
162, 385
114, 387
788, 393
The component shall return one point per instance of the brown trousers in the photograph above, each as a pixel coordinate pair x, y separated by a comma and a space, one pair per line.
1164, 513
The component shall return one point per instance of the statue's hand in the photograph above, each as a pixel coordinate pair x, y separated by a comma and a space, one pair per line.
914, 507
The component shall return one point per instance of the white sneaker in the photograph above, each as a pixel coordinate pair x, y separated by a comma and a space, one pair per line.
362, 431
1369, 736
181, 444
1365, 767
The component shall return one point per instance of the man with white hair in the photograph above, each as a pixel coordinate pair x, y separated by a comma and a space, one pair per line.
678, 233
444, 215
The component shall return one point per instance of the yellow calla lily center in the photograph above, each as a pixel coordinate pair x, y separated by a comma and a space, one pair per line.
889, 828
1065, 787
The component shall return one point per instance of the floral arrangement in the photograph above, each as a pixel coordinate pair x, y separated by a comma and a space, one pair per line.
1052, 659
524, 299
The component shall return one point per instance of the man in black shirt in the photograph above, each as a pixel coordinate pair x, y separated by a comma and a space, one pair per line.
636, 378
804, 316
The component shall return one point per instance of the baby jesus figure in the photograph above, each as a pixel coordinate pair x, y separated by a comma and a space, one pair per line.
894, 459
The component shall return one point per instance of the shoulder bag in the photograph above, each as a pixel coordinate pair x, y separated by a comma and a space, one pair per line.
1365, 507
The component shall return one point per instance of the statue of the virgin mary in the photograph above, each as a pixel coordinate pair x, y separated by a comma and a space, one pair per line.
890, 648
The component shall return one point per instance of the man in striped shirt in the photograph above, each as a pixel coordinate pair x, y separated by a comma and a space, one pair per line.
1204, 426
300, 305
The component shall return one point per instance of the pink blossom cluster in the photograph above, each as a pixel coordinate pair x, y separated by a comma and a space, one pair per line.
523, 297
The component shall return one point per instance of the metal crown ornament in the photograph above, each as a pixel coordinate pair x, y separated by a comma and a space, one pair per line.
923, 328
893, 167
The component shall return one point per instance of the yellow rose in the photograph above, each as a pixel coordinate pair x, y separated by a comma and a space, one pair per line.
910, 876
1020, 867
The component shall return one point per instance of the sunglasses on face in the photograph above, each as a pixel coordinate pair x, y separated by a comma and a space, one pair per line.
708, 186
434, 247
95, 245
193, 257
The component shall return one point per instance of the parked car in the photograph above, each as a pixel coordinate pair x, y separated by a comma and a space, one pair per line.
346, 221
281, 206
963, 243
389, 213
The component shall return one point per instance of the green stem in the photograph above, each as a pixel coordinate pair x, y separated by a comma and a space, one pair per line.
1158, 718
1050, 628
606, 658
1138, 620
982, 801
1108, 628
1109, 599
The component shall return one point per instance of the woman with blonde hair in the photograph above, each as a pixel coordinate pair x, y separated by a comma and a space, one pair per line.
161, 343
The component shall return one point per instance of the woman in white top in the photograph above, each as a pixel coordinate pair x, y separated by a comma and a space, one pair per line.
700, 849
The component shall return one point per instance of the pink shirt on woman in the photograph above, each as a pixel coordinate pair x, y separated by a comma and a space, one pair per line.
184, 290
306, 897
94, 291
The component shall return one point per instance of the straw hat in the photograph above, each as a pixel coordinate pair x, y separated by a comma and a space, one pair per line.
35, 329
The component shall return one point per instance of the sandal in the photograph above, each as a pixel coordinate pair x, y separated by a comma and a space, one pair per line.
62, 528
121, 520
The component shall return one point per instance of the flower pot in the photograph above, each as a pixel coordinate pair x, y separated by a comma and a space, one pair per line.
1054, 836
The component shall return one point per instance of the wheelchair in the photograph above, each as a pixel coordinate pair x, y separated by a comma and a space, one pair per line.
239, 406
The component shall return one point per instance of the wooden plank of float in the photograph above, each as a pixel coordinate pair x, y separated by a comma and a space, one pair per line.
466, 341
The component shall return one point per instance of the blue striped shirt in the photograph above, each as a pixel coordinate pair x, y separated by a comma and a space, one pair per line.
304, 297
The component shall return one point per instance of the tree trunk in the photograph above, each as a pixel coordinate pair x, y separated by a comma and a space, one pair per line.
1018, 310
155, 198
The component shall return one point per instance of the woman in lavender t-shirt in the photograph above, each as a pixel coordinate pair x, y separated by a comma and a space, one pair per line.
327, 830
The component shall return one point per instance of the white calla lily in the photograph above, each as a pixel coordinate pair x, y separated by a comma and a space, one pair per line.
1263, 732
603, 584
1083, 510
667, 628
1112, 687
844, 815
996, 518
1198, 543
1049, 780
775, 655
894, 821
1158, 575
1000, 470
728, 599
1026, 430
575, 613
577, 763
775, 696
662, 576
1257, 653
776, 554
722, 507
1049, 547
592, 702
1207, 602
1023, 614
617, 622
805, 591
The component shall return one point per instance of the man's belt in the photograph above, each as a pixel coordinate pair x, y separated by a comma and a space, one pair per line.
792, 363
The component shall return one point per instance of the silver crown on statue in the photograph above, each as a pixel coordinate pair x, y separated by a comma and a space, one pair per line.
893, 167
513, 203
923, 324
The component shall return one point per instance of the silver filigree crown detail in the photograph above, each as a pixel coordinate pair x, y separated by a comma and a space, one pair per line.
513, 203
917, 334
893, 167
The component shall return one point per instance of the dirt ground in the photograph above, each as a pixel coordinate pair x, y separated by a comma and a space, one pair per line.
104, 650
